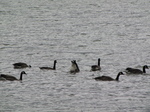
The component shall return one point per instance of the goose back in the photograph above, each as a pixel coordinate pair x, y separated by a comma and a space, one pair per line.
2, 78
20, 65
104, 78
9, 77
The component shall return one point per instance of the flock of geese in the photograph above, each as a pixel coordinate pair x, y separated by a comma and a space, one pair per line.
74, 69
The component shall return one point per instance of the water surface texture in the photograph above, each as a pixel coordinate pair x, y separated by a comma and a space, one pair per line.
38, 32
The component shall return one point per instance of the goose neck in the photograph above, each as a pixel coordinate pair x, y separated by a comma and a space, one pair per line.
117, 78
21, 76
98, 62
144, 69
54, 67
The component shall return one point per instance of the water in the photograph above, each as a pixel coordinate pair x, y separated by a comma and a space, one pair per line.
39, 32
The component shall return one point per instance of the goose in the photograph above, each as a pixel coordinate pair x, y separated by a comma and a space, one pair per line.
96, 67
136, 71
107, 78
49, 68
74, 67
21, 65
12, 78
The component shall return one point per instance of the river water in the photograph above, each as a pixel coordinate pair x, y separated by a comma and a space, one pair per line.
38, 32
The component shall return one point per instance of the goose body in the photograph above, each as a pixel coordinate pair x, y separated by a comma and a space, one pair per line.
136, 71
96, 67
50, 68
2, 78
107, 78
21, 65
74, 67
12, 78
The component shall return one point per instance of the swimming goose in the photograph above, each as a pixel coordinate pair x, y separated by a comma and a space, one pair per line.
12, 78
49, 68
21, 65
74, 67
107, 78
136, 71
96, 67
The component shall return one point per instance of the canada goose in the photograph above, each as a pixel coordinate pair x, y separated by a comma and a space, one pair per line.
21, 65
49, 68
107, 78
12, 78
136, 71
74, 67
96, 67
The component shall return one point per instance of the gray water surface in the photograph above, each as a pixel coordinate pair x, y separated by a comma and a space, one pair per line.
39, 32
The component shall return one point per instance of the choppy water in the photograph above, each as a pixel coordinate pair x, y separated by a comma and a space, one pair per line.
38, 32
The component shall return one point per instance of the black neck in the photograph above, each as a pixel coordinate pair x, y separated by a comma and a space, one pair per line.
21, 76
144, 70
54, 67
117, 78
98, 62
